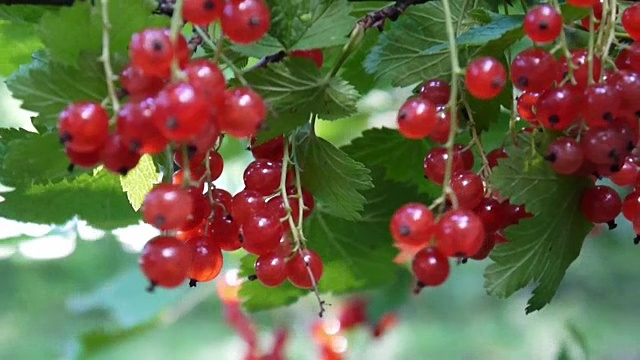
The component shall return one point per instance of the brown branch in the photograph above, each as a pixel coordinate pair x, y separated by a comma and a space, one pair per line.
377, 19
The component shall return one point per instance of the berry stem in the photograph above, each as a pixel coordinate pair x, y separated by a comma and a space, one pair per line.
591, 46
186, 168
220, 54
565, 47
106, 57
476, 139
168, 172
355, 39
176, 26
453, 103
607, 28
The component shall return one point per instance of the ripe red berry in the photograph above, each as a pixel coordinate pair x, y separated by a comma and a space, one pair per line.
117, 157
485, 78
579, 59
558, 108
152, 52
200, 209
180, 111
206, 260
261, 233
138, 84
494, 155
225, 232
628, 85
459, 233
263, 176
299, 266
245, 204
491, 213
270, 150
601, 204
202, 12
597, 14
314, 55
436, 159
136, 127
437, 92
604, 147
468, 189
602, 104
627, 175
412, 224
271, 269
83, 126
543, 23
440, 132
513, 213
534, 69
206, 139
631, 21
245, 21
165, 261
83, 159
206, 77
417, 118
167, 207
631, 207
430, 267
565, 155
488, 245
243, 113
526, 104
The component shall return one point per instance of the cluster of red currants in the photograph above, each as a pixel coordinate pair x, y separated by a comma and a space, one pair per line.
593, 110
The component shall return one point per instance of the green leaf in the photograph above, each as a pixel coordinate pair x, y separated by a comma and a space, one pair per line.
96, 340
31, 158
303, 25
257, 297
332, 176
17, 43
541, 248
295, 89
401, 158
139, 181
24, 13
353, 70
403, 53
78, 28
97, 199
572, 13
47, 87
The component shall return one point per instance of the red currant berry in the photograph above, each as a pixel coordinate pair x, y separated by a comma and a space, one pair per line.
491, 214
604, 146
627, 175
151, 51
459, 233
245, 21
165, 261
534, 69
602, 103
558, 108
263, 176
83, 126
200, 209
417, 118
631, 207
412, 224
440, 132
314, 55
468, 189
246, 204
202, 12
485, 78
565, 155
579, 59
437, 92
225, 232
136, 127
261, 233
269, 150
117, 157
308, 201
180, 109
138, 84
206, 261
597, 14
628, 85
436, 160
83, 159
167, 207
488, 245
243, 114
514, 213
206, 139
430, 267
494, 155
271, 269
543, 23
300, 267
526, 104
601, 204
207, 78
631, 21
222, 200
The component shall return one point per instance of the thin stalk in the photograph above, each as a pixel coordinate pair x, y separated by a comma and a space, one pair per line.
106, 57
175, 28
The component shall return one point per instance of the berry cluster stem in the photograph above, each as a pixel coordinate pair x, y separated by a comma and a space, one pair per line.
296, 229
106, 56
176, 26
220, 54
355, 39
453, 101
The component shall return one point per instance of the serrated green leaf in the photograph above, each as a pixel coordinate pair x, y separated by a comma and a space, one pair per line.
17, 43
97, 199
402, 54
572, 13
401, 158
31, 158
541, 248
24, 13
77, 29
47, 87
139, 181
332, 176
353, 70
303, 25
295, 89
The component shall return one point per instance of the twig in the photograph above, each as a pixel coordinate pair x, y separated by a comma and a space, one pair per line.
269, 59
176, 26
378, 18
207, 40
106, 57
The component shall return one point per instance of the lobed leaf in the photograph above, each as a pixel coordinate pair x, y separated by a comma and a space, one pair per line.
139, 181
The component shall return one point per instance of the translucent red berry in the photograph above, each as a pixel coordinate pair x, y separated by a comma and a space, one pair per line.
314, 55
180, 111
459, 233
83, 126
558, 108
437, 92
261, 233
417, 118
225, 232
631, 21
494, 155
245, 204
601, 204
436, 160
269, 150
202, 12
263, 176
430, 267
412, 224
579, 59
206, 260
245, 21
271, 269
138, 84
534, 69
628, 174
167, 207
117, 157
565, 155
491, 213
300, 267
136, 127
525, 105
485, 78
83, 159
543, 23
152, 52
602, 104
243, 114
165, 261
468, 189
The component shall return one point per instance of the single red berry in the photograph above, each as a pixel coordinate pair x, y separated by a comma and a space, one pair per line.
440, 133
206, 261
353, 313
202, 12
430, 266
627, 175
206, 139
513, 213
138, 84
631, 207
485, 78
206, 77
200, 209
152, 52
543, 23
558, 108
437, 92
243, 113
269, 150
602, 104
245, 21
631, 21
261, 233
412, 224
307, 199
167, 207
526, 104
597, 14
601, 204
491, 213
628, 85
534, 69
165, 261
488, 245
604, 146
494, 155
194, 159
83, 159
117, 157
459, 233
436, 160
225, 232
271, 269
245, 204
136, 127
565, 155
417, 118
300, 267
263, 176
83, 126
314, 55
180, 111
579, 59
222, 200
629, 59
468, 189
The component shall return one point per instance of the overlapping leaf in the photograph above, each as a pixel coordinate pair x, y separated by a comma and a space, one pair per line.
139, 181
541, 248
